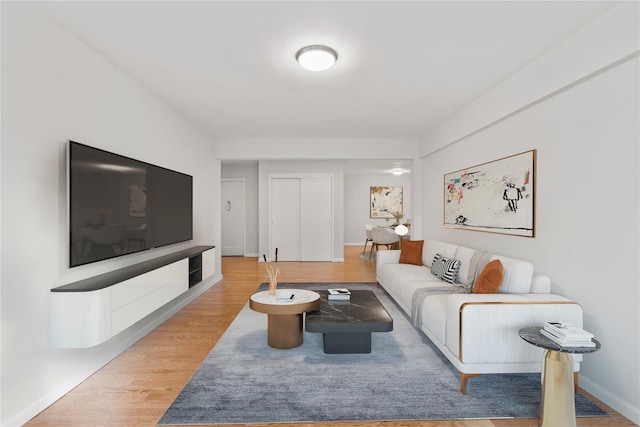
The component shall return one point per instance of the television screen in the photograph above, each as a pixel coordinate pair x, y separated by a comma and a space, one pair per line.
118, 205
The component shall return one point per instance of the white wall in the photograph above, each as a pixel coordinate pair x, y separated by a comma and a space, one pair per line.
249, 172
55, 88
357, 201
579, 106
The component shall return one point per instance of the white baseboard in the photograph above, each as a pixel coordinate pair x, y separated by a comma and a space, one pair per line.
624, 407
127, 338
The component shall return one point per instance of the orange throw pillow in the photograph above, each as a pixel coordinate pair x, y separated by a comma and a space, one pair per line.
411, 252
490, 279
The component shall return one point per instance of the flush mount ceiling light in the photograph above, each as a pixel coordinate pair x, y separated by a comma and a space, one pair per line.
316, 57
397, 171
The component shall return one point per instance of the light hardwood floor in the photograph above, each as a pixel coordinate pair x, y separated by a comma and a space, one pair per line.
137, 387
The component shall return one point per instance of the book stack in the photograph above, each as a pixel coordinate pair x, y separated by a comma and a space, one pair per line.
285, 296
567, 335
339, 294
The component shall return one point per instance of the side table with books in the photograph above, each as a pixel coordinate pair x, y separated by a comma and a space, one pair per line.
285, 314
557, 404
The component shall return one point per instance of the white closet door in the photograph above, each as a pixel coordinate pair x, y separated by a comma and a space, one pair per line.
315, 211
285, 219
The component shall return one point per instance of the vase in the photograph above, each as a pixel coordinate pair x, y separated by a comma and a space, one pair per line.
273, 284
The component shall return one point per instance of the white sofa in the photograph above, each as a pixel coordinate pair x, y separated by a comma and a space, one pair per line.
478, 333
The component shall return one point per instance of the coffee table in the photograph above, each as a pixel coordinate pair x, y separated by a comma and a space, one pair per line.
347, 325
284, 319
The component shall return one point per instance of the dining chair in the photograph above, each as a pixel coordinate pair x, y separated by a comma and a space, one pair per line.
367, 229
383, 236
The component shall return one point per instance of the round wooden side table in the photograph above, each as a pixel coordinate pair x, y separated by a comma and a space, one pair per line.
284, 318
557, 403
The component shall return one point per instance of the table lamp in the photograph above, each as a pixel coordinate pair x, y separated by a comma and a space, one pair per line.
401, 231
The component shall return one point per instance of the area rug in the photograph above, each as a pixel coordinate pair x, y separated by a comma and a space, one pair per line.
405, 377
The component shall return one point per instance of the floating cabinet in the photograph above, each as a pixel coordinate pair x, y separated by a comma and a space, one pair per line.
133, 299
91, 311
195, 270
80, 319
208, 263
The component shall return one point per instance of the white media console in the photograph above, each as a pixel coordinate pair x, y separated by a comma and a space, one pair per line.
91, 311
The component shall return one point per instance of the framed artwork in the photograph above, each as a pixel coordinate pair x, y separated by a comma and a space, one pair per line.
384, 202
497, 196
137, 200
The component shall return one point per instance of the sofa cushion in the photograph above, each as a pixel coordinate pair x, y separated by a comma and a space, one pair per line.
433, 247
445, 268
490, 278
395, 274
434, 316
517, 275
411, 252
469, 264
405, 292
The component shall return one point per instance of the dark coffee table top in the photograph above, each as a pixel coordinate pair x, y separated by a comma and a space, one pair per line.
362, 313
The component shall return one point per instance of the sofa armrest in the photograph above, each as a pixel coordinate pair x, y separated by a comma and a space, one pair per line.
387, 257
540, 284
483, 328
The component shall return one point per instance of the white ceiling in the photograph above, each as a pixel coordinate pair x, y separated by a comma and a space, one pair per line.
403, 67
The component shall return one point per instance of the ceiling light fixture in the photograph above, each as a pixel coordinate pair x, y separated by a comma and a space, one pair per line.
316, 57
397, 171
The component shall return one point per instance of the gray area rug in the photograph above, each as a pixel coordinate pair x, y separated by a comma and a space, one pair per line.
405, 377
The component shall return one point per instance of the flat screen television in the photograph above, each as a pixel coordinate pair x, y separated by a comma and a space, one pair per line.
118, 205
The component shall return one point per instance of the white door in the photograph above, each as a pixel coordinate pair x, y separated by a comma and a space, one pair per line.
316, 209
301, 215
232, 217
285, 219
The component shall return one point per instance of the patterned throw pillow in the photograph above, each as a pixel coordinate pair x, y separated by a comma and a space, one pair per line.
444, 268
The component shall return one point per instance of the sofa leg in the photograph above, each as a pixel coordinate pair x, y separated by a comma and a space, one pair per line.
463, 381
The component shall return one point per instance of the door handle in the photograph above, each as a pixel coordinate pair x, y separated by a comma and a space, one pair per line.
228, 205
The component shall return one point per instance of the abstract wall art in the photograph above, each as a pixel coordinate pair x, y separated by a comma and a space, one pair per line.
497, 196
385, 202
